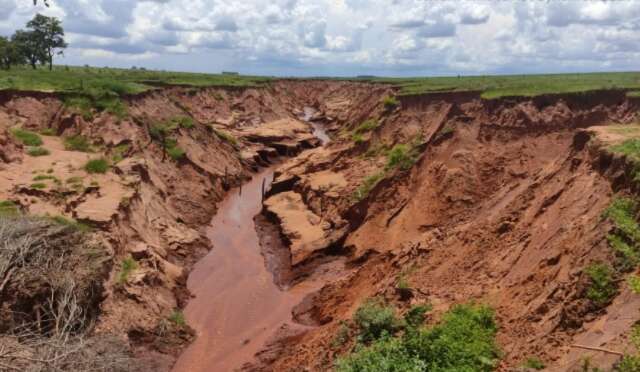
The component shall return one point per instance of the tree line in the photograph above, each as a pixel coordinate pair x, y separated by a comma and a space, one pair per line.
42, 39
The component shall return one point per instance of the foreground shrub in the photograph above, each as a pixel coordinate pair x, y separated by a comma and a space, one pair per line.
463, 341
602, 287
400, 156
375, 319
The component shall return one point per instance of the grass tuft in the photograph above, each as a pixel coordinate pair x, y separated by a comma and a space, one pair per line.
8, 208
77, 143
390, 102
94, 166
128, 266
37, 151
27, 137
367, 185
602, 287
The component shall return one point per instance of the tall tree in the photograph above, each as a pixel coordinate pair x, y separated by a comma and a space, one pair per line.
28, 46
50, 35
9, 53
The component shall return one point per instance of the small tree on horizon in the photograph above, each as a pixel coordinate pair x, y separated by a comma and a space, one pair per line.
50, 36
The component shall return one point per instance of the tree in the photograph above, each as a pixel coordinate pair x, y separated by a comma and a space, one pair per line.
50, 36
28, 46
9, 53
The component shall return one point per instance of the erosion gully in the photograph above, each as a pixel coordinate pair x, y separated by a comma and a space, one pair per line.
237, 306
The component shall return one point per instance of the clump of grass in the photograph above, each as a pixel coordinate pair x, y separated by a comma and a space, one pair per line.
375, 319
81, 105
367, 185
39, 186
602, 287
94, 166
401, 156
37, 151
357, 138
8, 208
360, 130
113, 105
177, 317
27, 137
534, 363
227, 137
78, 226
77, 143
128, 266
44, 177
185, 122
463, 341
118, 152
176, 153
625, 239
390, 102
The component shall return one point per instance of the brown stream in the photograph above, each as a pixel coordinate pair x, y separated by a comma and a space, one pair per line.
237, 306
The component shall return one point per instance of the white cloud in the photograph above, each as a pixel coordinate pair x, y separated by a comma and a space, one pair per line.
399, 37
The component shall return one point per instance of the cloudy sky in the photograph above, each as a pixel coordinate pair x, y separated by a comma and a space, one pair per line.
345, 37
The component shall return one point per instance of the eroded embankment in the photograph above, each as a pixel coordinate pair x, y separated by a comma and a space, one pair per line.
453, 199
442, 198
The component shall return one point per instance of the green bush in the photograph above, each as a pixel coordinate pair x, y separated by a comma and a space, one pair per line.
27, 137
77, 143
390, 102
128, 266
602, 287
175, 153
463, 341
367, 185
375, 319
416, 315
100, 165
37, 151
534, 363
400, 156
185, 122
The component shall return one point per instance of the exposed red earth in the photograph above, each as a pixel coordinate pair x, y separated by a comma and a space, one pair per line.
502, 205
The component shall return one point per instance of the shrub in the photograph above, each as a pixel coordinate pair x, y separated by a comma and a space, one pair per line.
463, 341
39, 185
126, 268
77, 143
177, 317
367, 185
534, 363
100, 165
37, 151
185, 122
400, 156
342, 336
390, 102
375, 319
602, 287
26, 137
175, 153
416, 315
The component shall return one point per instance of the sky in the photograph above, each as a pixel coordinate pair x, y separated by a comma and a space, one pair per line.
345, 37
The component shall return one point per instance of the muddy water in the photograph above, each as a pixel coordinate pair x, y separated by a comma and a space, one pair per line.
318, 129
237, 307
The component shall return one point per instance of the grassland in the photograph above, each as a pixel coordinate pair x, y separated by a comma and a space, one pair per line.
93, 81
519, 85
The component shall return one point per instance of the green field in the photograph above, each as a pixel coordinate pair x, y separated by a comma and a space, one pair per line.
89, 80
94, 82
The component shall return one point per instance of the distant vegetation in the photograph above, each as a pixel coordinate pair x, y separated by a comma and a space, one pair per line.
518, 85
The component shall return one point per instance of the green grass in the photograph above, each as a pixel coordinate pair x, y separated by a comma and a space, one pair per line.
48, 132
8, 208
37, 151
630, 147
77, 143
366, 126
94, 166
534, 363
227, 137
367, 185
128, 266
625, 239
401, 156
175, 153
78, 226
390, 102
517, 85
95, 82
39, 186
118, 152
185, 122
177, 317
27, 137
602, 283
634, 94
44, 177
463, 341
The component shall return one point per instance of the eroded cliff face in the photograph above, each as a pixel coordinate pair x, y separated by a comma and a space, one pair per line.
495, 201
500, 203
